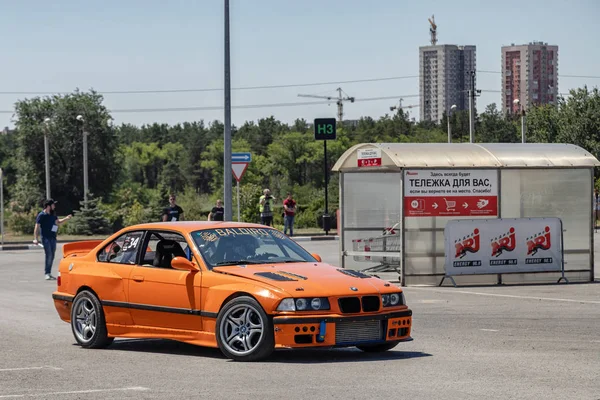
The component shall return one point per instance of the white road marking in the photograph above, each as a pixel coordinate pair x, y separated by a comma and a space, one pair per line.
511, 296
489, 330
13, 396
29, 368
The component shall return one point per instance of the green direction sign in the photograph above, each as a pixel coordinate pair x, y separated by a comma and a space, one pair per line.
325, 129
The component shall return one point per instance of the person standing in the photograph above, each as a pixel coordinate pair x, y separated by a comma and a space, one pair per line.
217, 213
289, 207
47, 224
173, 212
265, 206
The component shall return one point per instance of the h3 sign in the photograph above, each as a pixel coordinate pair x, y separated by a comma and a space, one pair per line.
324, 129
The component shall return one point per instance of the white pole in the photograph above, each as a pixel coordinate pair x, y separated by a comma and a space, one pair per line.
523, 126
471, 118
85, 168
47, 161
238, 200
2, 207
449, 132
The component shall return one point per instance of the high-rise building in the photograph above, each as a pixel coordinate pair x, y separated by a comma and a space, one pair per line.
529, 74
444, 79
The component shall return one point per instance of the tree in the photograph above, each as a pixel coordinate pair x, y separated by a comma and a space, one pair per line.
494, 128
66, 144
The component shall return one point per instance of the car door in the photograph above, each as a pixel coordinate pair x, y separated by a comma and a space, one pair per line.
120, 255
159, 295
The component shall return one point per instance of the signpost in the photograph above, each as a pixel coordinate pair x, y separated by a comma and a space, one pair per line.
325, 130
239, 164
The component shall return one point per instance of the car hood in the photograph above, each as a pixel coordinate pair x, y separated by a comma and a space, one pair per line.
310, 279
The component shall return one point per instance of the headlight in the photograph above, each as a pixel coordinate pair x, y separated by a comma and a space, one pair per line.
301, 304
385, 300
393, 299
286, 305
315, 303
304, 304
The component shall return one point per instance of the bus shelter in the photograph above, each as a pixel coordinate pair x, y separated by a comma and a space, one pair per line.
396, 199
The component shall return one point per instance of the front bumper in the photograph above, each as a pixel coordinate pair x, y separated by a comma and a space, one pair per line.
342, 331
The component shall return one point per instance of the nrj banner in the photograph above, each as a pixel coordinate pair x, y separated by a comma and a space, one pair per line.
496, 246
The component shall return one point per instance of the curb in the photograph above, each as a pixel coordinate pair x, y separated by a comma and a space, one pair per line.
20, 247
313, 238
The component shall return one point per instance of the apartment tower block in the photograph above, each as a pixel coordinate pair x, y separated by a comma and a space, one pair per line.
444, 79
529, 74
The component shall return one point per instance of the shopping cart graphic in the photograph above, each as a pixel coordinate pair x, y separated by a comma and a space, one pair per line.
450, 205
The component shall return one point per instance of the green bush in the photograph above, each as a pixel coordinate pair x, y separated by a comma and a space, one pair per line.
22, 222
195, 206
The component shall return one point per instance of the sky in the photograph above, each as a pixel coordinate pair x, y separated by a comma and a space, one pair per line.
133, 45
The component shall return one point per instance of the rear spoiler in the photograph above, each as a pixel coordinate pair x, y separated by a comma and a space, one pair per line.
79, 248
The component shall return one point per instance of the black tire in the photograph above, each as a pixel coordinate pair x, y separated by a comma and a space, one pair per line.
378, 348
261, 347
99, 337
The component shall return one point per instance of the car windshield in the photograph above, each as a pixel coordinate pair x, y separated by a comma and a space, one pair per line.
232, 246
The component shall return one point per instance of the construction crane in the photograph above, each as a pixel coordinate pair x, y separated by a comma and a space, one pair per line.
433, 30
401, 107
340, 101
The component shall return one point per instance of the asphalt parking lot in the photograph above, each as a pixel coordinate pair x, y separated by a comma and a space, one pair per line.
517, 342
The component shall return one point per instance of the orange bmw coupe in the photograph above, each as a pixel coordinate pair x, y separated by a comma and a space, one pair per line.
246, 289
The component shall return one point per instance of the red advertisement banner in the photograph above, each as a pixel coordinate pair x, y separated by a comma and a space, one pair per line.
450, 206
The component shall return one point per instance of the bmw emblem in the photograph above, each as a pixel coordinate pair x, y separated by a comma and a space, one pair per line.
353, 289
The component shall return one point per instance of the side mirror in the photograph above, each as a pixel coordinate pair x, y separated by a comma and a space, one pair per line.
183, 264
318, 257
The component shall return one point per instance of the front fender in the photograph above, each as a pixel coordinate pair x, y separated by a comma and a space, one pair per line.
217, 296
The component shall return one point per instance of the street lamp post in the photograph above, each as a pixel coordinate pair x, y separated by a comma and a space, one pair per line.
85, 160
523, 120
448, 118
47, 157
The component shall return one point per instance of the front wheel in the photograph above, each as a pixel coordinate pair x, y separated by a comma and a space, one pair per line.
88, 323
244, 331
378, 348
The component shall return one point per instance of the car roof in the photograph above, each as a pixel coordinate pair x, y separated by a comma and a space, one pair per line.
191, 226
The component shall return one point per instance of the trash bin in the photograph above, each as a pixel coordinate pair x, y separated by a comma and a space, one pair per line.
326, 222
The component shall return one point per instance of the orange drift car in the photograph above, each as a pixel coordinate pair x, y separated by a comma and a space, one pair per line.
244, 288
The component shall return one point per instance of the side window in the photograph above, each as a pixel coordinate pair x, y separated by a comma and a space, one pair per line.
162, 247
122, 250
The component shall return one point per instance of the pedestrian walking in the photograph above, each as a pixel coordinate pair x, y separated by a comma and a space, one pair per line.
47, 224
217, 213
173, 212
289, 212
265, 206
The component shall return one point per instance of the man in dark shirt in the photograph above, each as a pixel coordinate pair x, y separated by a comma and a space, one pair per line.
217, 213
47, 222
173, 212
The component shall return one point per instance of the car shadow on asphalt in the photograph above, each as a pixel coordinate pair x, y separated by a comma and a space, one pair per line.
295, 356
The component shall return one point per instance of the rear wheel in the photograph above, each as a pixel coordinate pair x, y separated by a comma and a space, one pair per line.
244, 331
378, 348
88, 323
